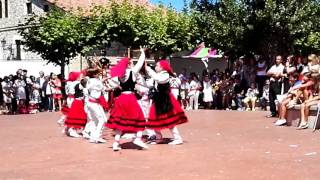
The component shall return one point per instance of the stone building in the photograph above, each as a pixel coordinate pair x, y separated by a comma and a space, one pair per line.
14, 13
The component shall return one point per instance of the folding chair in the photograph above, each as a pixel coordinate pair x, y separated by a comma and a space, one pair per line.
317, 122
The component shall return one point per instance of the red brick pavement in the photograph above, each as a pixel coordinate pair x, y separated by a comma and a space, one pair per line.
218, 145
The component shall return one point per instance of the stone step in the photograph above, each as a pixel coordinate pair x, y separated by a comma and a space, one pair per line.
293, 116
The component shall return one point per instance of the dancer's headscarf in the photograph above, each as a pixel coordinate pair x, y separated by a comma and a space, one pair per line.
119, 69
166, 66
73, 76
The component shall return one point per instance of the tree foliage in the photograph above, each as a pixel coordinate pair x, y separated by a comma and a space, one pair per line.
58, 36
259, 26
236, 27
159, 29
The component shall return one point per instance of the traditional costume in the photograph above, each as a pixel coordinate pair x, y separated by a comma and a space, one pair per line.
94, 107
77, 117
70, 91
126, 116
165, 112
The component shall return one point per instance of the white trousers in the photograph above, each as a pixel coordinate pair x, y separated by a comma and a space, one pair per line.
96, 119
193, 101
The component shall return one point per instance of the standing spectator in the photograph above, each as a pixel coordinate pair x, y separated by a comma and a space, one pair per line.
175, 84
35, 97
27, 81
21, 95
194, 91
261, 69
7, 93
57, 94
275, 73
14, 105
48, 89
226, 91
1, 96
207, 92
265, 95
184, 92
251, 97
40, 80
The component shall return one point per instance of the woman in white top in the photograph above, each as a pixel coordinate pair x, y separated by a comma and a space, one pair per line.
175, 84
207, 91
194, 91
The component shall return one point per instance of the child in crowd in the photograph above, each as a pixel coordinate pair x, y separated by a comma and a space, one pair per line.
184, 92
251, 97
194, 91
207, 92
265, 95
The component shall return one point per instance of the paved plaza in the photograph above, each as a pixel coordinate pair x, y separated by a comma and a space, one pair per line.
218, 145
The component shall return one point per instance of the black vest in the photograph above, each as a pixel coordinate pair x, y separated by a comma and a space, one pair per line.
78, 92
128, 85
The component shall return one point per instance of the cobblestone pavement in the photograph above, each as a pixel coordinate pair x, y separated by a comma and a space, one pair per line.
218, 145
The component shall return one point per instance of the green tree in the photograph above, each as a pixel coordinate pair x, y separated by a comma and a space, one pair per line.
265, 27
59, 36
161, 29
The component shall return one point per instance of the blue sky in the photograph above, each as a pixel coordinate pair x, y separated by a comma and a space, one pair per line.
178, 4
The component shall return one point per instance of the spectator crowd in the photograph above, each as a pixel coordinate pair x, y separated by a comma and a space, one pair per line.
253, 82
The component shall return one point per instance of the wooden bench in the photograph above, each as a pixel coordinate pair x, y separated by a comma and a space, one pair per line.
293, 116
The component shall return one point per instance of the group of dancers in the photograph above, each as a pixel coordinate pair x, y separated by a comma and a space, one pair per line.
134, 103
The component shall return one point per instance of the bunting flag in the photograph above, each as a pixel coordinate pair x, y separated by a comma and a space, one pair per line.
203, 52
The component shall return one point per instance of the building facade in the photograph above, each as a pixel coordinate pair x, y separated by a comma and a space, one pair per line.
12, 14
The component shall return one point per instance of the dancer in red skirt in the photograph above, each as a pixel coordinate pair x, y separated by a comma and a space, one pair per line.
165, 111
73, 80
126, 115
77, 117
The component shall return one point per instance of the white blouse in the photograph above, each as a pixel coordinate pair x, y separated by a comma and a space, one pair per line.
95, 88
160, 78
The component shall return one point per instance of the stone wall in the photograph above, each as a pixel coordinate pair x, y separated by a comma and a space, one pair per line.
17, 14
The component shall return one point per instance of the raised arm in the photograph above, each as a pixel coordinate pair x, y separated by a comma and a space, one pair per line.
140, 62
161, 78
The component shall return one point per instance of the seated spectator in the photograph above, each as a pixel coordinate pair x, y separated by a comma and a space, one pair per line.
238, 93
303, 91
313, 64
294, 81
265, 95
251, 97
305, 108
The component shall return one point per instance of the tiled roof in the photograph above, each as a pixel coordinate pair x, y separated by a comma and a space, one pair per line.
86, 4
